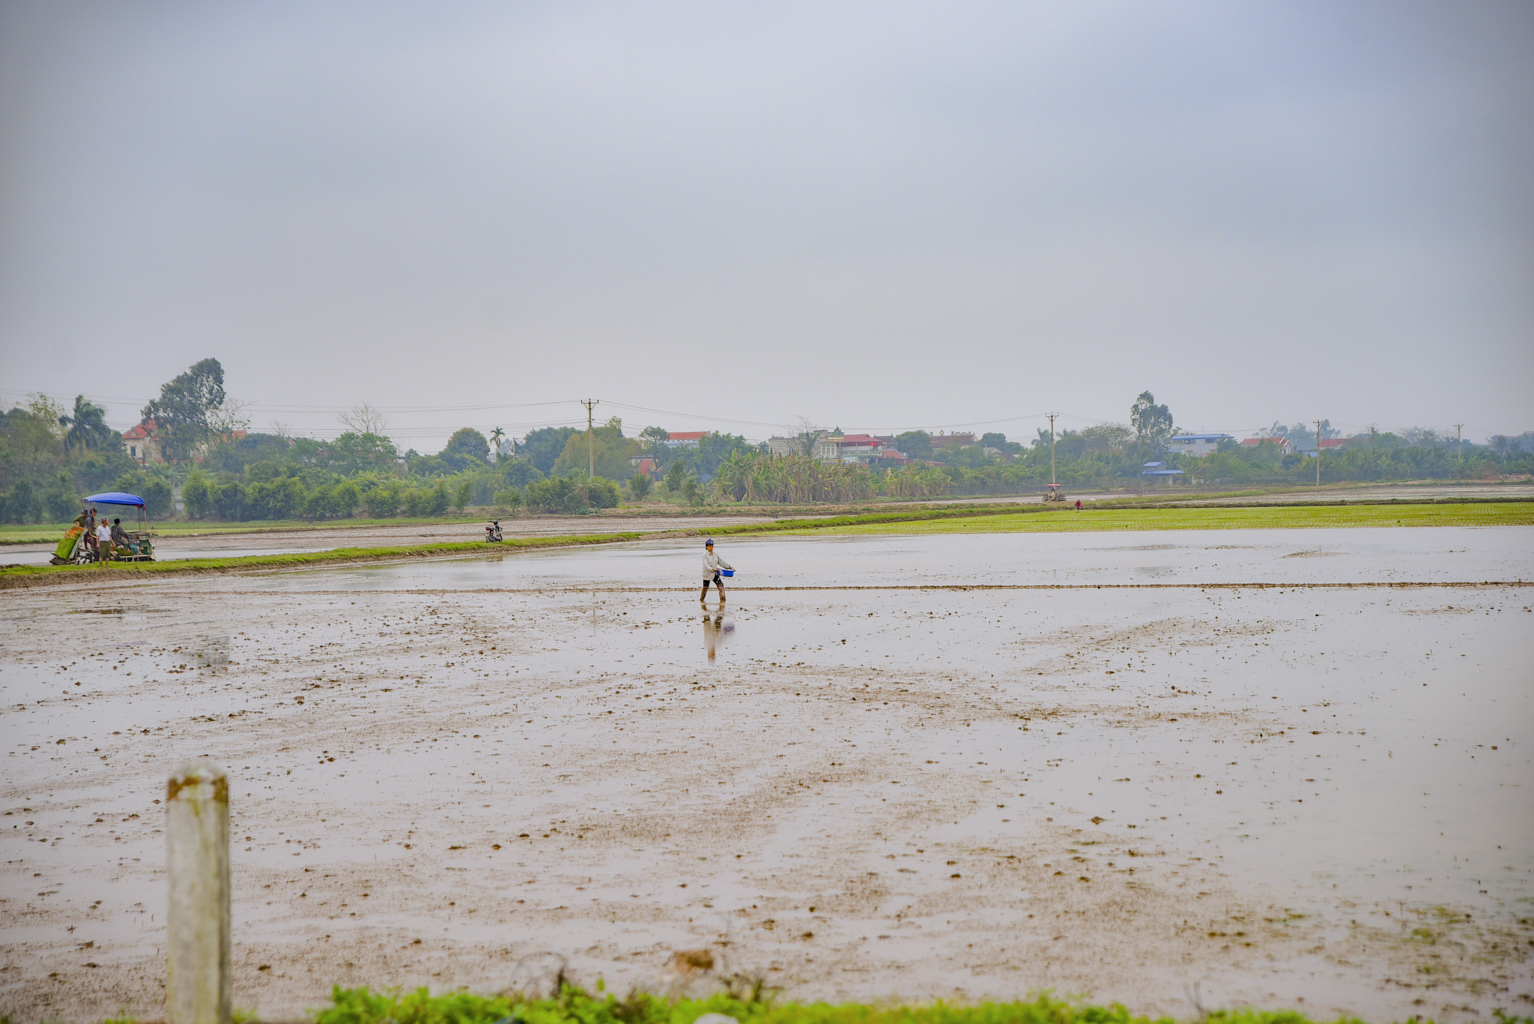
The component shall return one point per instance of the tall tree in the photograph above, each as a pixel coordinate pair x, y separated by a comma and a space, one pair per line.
1152, 422
610, 451
545, 444
364, 419
808, 435
1106, 437
185, 403
652, 439
467, 447
87, 428
356, 453
915, 443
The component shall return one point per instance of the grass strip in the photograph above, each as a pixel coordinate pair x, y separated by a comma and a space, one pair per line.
46, 533
574, 1006
12, 575
1224, 517
49, 534
28, 575
963, 519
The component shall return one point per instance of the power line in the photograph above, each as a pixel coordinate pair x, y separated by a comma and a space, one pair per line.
695, 416
257, 406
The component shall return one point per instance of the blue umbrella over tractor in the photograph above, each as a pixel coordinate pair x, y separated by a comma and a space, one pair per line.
138, 545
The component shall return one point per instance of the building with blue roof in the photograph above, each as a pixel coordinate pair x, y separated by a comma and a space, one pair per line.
1196, 444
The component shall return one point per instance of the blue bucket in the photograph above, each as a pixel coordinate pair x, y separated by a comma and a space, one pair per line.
727, 572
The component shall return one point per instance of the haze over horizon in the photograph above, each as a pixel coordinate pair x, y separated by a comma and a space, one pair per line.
732, 216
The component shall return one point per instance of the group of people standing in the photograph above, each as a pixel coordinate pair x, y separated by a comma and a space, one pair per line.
103, 538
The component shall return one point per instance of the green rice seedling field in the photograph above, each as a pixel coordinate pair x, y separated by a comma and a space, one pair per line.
1067, 520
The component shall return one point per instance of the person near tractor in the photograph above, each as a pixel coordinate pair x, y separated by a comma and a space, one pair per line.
103, 542
120, 537
87, 519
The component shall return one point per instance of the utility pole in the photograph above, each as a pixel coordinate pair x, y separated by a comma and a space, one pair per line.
1318, 453
1459, 448
591, 451
1051, 416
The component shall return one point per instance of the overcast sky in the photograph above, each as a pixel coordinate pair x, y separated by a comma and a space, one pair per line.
731, 215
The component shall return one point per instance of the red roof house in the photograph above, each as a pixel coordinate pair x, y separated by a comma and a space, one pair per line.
141, 443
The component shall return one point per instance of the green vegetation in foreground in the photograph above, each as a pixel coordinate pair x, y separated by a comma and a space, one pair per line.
573, 1006
1511, 513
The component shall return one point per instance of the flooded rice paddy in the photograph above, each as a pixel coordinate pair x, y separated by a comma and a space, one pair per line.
225, 543
1292, 767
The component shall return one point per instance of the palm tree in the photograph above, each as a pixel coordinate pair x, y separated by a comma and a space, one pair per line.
87, 428
496, 437
733, 473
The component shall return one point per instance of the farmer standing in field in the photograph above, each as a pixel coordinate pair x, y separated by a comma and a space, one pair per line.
712, 563
103, 543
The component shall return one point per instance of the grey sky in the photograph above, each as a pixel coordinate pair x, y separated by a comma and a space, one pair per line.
874, 215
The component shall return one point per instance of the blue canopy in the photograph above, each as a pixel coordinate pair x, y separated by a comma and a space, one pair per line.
116, 498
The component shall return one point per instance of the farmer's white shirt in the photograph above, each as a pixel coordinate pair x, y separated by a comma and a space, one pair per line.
712, 563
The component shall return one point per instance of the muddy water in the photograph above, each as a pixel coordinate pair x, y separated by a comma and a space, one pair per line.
239, 543
1104, 763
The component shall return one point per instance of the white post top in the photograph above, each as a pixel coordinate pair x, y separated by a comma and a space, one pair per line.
198, 780
197, 920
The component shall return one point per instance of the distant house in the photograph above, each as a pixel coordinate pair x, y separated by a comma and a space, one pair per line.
1159, 471
858, 447
684, 438
1334, 442
1283, 443
643, 464
781, 446
952, 440
1197, 445
142, 445
826, 447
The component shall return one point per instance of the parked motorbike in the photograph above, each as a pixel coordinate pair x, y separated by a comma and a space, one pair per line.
493, 532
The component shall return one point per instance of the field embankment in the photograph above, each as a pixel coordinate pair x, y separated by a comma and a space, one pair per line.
1223, 517
936, 519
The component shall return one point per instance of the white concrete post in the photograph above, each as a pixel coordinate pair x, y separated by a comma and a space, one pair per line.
197, 860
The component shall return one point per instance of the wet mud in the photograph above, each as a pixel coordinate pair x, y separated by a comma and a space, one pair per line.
934, 785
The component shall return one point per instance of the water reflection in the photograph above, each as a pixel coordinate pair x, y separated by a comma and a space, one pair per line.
716, 630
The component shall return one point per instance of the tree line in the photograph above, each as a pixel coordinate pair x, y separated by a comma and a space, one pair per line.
51, 455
